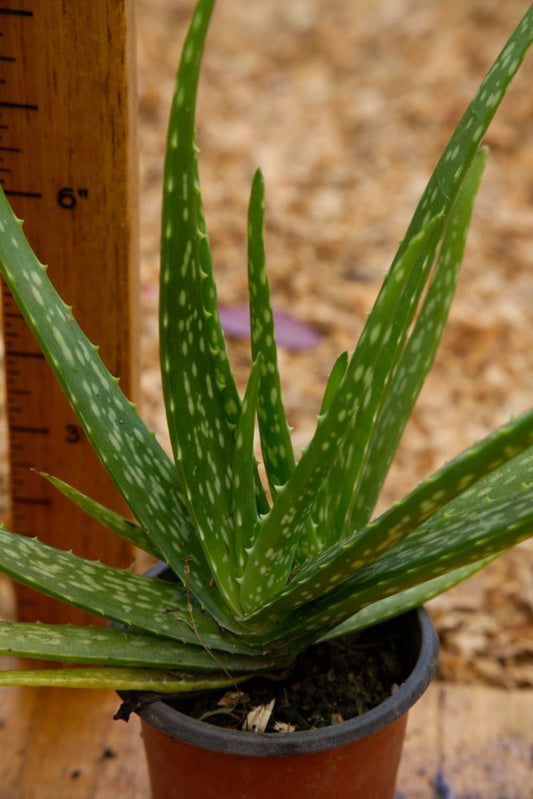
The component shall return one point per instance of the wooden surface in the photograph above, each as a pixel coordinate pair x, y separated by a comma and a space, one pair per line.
59, 744
469, 742
461, 742
68, 163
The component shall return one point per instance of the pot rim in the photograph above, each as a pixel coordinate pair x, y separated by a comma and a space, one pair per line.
176, 724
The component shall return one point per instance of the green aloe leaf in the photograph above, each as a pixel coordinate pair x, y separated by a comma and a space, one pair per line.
113, 647
109, 519
244, 463
119, 679
273, 545
445, 543
335, 379
154, 606
278, 538
336, 475
468, 472
129, 451
373, 362
440, 194
490, 516
367, 474
395, 605
195, 380
222, 368
276, 442
455, 161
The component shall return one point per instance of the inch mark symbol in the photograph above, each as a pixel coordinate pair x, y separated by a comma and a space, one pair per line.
68, 197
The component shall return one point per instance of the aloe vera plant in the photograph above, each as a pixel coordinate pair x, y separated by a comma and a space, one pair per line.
263, 571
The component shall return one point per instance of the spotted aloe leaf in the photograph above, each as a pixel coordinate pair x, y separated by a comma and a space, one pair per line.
276, 442
334, 381
366, 453
109, 519
511, 444
420, 349
117, 648
320, 510
245, 508
455, 161
396, 604
120, 679
154, 606
279, 536
196, 381
129, 451
445, 543
491, 515
439, 195
281, 530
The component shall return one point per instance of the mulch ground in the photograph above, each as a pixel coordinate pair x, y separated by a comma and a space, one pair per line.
346, 107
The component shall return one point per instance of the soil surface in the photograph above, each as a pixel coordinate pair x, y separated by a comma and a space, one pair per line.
346, 106
327, 684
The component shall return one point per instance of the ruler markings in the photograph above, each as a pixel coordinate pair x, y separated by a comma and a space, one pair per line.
44, 501
15, 12
19, 106
32, 195
28, 429
24, 354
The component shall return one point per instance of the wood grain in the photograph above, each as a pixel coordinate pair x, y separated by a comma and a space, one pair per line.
65, 745
469, 741
69, 167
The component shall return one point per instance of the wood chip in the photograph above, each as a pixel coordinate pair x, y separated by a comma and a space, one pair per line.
258, 718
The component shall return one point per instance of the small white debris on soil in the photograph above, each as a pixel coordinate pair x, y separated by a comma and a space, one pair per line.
258, 718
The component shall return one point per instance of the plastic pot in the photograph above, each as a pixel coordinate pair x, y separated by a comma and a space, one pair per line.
358, 758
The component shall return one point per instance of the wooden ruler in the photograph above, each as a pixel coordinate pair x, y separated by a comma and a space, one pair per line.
68, 166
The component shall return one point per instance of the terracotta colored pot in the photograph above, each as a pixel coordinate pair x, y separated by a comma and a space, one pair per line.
358, 758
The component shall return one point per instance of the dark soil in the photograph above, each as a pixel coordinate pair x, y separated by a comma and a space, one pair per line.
327, 684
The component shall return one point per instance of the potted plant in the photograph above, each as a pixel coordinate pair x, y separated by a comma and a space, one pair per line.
257, 574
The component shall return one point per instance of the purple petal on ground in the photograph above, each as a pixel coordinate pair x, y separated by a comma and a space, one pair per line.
293, 334
290, 333
235, 320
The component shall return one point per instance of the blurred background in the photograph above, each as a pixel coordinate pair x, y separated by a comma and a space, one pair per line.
346, 106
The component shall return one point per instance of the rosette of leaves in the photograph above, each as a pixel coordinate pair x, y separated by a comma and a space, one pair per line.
263, 571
